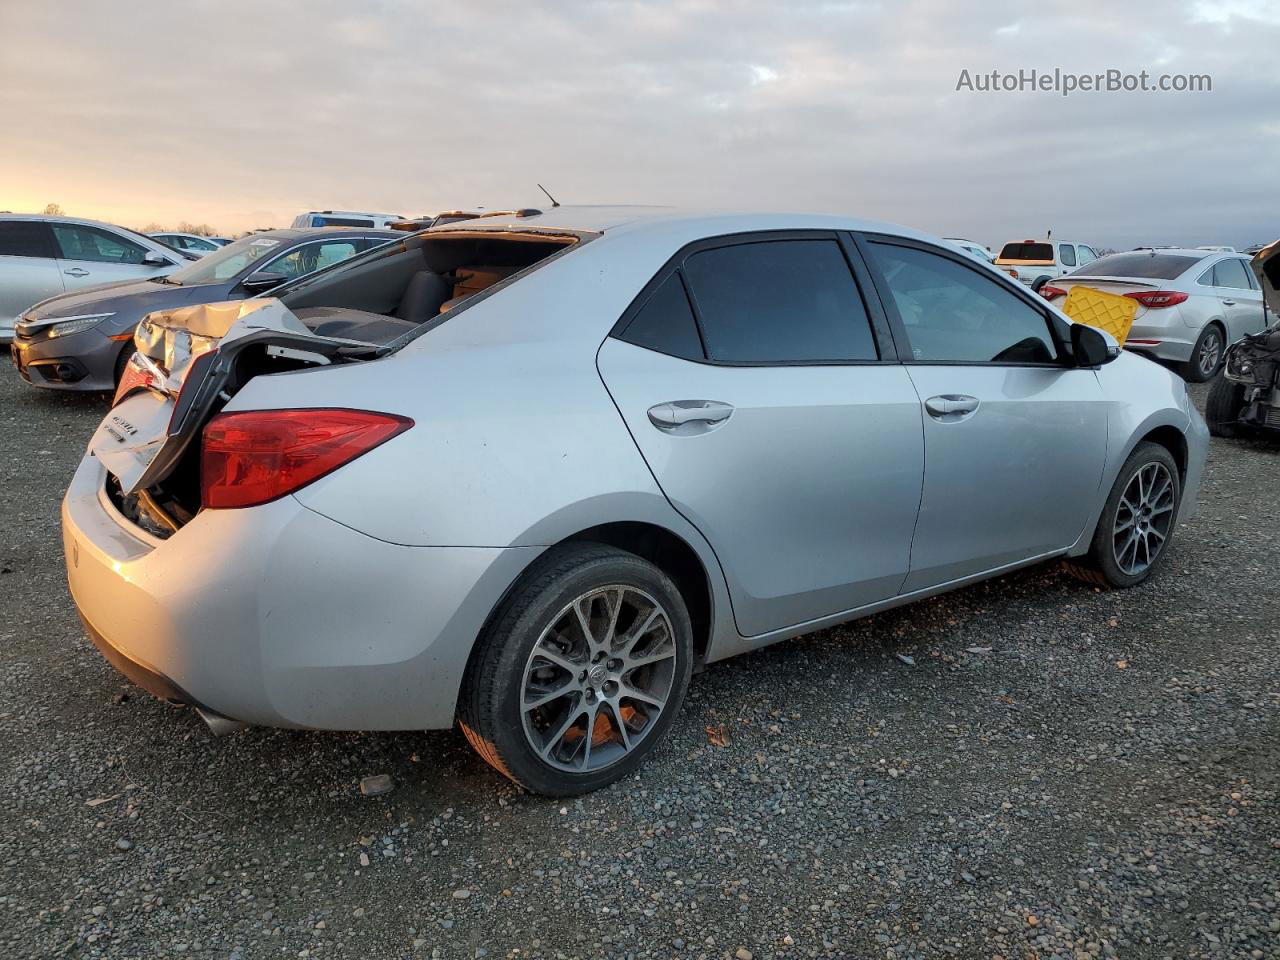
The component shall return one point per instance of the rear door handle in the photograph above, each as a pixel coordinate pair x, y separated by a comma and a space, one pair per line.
674, 414
76, 272
1228, 303
951, 404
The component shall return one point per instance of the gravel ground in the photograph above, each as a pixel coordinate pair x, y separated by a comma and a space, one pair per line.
1101, 782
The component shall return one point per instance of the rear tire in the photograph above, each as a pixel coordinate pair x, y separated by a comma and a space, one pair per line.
1206, 355
1137, 522
1038, 283
1222, 407
581, 672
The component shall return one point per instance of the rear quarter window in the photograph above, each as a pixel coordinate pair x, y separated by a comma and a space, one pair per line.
665, 322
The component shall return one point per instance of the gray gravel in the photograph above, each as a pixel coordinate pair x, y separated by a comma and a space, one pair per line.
1102, 782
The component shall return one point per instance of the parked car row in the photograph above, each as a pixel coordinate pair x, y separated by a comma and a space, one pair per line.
44, 256
527, 472
82, 341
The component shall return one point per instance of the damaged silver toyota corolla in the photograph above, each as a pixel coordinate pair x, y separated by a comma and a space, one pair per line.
531, 472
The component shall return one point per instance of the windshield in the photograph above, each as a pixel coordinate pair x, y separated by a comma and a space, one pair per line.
228, 262
1151, 266
1027, 251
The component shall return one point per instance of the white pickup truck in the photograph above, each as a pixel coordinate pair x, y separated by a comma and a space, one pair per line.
1035, 262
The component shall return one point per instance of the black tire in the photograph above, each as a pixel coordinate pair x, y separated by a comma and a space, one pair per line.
1101, 566
1222, 407
1038, 283
1197, 369
122, 361
491, 706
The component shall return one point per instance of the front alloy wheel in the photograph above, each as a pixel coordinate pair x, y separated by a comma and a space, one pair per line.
581, 672
1137, 521
1144, 519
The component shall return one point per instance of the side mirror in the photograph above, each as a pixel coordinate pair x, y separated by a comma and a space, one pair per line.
153, 259
1092, 347
262, 281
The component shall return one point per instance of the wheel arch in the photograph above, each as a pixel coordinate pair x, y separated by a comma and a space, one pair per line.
671, 554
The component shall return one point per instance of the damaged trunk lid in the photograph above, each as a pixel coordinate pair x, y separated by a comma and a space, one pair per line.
188, 364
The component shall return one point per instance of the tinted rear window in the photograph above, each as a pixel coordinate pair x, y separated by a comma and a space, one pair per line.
341, 222
25, 238
1152, 266
1027, 251
779, 301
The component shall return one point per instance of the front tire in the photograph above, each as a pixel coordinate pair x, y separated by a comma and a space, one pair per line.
1222, 407
580, 674
1137, 521
1206, 355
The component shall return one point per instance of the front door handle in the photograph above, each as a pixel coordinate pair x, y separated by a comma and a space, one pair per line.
1228, 303
951, 404
76, 272
675, 414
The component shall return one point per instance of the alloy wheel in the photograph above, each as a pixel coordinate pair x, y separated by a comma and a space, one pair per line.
598, 678
1144, 518
1210, 353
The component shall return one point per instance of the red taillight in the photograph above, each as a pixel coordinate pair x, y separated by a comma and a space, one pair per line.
1050, 292
135, 377
1158, 298
259, 455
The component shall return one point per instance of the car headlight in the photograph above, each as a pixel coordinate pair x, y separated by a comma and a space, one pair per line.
62, 326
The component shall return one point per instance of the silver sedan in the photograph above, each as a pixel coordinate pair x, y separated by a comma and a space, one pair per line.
1192, 304
528, 472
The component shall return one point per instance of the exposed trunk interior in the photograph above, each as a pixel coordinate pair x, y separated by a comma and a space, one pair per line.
200, 357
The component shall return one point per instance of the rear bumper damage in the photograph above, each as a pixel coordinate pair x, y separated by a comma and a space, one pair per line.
278, 616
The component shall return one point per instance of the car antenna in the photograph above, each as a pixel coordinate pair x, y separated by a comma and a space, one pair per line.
554, 201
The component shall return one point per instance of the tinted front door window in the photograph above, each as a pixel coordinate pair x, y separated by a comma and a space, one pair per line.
954, 314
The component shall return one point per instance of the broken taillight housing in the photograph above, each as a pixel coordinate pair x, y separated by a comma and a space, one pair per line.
256, 456
1050, 292
134, 378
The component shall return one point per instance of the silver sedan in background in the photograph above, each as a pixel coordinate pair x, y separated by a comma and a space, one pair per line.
527, 472
1192, 304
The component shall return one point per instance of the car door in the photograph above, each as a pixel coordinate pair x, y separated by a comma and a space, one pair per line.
89, 256
1241, 301
762, 389
1066, 258
1015, 438
28, 271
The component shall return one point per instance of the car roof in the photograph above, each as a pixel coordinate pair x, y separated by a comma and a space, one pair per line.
300, 233
50, 218
1180, 252
622, 219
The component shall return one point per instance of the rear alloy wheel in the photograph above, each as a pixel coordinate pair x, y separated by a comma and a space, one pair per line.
1137, 521
1206, 355
582, 672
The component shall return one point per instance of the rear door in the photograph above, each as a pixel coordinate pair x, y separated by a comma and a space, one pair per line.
1241, 300
88, 256
1014, 438
763, 391
28, 271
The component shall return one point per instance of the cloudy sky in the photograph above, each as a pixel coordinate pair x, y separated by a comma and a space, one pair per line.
242, 113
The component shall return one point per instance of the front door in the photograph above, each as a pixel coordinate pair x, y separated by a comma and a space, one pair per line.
1015, 439
776, 421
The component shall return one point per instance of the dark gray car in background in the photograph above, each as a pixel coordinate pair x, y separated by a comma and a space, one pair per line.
81, 341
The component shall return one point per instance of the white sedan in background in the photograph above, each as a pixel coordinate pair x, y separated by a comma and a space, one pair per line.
973, 248
1192, 304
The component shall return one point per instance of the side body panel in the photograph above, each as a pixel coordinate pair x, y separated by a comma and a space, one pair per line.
808, 491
